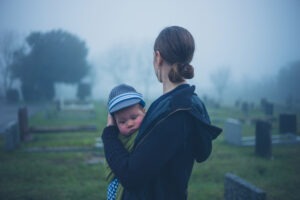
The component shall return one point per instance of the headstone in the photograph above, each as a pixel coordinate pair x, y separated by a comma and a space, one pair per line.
23, 123
287, 123
269, 108
11, 137
263, 102
245, 108
238, 189
233, 131
237, 103
263, 140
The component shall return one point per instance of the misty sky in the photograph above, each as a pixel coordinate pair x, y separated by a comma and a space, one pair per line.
253, 37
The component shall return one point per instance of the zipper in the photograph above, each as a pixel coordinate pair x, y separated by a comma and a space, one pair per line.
171, 113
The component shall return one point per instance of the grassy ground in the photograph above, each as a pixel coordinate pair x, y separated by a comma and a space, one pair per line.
71, 175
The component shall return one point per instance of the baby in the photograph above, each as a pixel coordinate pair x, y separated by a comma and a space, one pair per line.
126, 106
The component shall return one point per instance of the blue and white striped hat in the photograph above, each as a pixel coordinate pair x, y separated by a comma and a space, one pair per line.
123, 96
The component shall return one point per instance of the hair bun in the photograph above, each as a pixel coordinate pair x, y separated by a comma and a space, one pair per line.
186, 70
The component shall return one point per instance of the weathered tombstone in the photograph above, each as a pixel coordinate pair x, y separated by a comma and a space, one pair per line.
263, 102
287, 123
269, 108
23, 123
237, 103
238, 189
233, 131
263, 140
11, 137
245, 108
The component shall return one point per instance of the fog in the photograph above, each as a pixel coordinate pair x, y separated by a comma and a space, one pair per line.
252, 39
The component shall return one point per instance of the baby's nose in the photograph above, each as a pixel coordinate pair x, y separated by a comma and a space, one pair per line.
129, 123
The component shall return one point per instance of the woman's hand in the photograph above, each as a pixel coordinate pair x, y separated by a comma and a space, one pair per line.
110, 120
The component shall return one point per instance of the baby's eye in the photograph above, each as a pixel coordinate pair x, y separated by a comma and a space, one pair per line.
134, 117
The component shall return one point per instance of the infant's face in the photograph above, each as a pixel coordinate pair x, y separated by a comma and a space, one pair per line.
129, 119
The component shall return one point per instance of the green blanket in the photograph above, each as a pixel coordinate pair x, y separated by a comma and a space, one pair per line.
128, 142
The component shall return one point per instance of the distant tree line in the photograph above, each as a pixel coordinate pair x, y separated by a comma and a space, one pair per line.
289, 83
281, 88
47, 58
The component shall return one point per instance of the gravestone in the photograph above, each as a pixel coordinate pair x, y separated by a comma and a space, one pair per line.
11, 137
263, 102
238, 189
237, 103
233, 131
263, 140
269, 108
287, 123
23, 124
245, 108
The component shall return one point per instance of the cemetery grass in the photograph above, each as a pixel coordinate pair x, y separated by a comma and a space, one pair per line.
72, 175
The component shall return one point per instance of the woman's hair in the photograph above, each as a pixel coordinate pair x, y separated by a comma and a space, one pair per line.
176, 46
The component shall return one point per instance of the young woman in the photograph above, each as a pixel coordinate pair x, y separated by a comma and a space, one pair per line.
175, 132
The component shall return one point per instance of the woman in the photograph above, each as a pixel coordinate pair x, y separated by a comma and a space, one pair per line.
175, 132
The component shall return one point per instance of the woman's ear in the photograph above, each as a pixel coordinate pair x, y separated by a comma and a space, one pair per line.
158, 59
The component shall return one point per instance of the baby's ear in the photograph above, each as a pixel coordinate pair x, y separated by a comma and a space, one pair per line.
114, 118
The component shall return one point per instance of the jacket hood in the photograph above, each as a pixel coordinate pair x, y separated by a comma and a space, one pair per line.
205, 132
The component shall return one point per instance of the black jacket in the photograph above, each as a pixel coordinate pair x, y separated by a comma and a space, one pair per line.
175, 131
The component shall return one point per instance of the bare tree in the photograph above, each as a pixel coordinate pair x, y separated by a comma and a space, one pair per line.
288, 83
220, 80
115, 63
9, 42
129, 63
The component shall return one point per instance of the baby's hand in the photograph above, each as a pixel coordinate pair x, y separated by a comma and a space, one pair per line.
110, 120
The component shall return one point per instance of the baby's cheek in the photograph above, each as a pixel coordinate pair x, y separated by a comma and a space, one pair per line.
139, 121
122, 129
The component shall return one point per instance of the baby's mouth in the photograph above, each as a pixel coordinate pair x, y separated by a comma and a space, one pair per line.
132, 130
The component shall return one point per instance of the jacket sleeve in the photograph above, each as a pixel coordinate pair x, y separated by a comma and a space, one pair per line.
149, 157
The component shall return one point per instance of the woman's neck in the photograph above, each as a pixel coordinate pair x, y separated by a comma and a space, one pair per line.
164, 78
169, 86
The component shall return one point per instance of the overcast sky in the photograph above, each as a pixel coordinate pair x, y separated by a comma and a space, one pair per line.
253, 37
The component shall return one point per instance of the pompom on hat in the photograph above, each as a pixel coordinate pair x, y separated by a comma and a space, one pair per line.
123, 96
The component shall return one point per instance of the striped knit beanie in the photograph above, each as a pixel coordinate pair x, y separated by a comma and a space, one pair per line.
123, 96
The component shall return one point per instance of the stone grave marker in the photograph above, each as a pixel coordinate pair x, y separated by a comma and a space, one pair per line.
263, 140
233, 131
245, 108
269, 108
237, 188
23, 124
287, 123
11, 137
